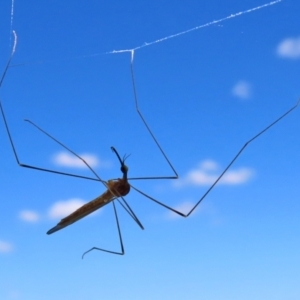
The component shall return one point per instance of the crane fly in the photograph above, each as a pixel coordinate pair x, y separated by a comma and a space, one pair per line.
115, 188
118, 188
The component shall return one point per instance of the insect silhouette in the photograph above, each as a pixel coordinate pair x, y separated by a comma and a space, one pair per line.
117, 188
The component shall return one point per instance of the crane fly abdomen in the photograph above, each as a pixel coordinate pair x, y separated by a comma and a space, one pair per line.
115, 188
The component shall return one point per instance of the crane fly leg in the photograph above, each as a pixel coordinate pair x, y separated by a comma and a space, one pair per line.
225, 170
120, 239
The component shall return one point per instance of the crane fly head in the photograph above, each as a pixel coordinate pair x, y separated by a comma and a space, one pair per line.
124, 168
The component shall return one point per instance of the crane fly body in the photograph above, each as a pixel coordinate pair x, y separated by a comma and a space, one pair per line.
115, 188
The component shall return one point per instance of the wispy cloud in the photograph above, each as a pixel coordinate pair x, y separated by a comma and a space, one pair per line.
207, 173
242, 89
29, 216
61, 209
289, 48
5, 247
69, 160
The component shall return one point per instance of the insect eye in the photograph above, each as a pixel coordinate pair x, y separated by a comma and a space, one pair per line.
124, 169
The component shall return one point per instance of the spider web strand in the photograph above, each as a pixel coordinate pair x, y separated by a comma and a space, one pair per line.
197, 27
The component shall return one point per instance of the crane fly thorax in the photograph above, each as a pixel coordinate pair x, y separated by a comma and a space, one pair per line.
119, 187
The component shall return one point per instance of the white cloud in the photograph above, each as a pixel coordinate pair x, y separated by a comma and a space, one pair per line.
69, 160
242, 89
29, 216
5, 247
289, 48
207, 173
61, 209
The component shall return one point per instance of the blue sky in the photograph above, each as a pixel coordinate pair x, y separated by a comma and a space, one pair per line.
204, 94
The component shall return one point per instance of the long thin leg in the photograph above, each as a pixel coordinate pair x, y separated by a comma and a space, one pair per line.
229, 165
130, 211
148, 128
120, 239
10, 137
43, 169
64, 146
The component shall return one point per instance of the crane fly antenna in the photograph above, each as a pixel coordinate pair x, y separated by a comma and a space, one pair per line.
220, 176
126, 156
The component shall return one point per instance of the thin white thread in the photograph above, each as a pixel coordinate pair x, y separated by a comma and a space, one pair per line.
15, 42
195, 28
11, 18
